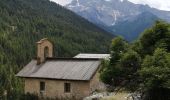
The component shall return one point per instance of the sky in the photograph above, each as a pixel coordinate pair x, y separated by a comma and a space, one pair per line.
62, 2
159, 4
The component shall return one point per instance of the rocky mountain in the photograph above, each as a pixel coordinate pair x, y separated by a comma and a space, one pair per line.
112, 14
132, 28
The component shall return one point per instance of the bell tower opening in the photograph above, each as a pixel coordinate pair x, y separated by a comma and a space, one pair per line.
46, 52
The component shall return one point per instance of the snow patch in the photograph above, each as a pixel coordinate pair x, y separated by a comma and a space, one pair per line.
78, 4
115, 18
107, 0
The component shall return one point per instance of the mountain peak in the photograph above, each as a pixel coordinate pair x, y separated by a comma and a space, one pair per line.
110, 13
113, 10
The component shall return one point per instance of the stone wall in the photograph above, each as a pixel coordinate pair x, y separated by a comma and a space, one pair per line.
96, 84
55, 88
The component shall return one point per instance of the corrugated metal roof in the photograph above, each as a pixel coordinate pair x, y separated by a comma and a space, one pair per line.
66, 69
85, 55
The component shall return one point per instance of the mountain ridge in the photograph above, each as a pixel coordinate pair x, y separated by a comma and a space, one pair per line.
108, 13
135, 26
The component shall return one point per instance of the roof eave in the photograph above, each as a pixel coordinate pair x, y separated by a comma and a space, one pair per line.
53, 78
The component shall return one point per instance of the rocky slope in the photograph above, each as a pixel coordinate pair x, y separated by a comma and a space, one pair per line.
109, 14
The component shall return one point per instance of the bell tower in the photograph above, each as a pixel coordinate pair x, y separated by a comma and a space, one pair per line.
44, 50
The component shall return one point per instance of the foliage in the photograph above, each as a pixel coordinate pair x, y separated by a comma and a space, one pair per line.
154, 48
118, 47
157, 36
109, 70
130, 62
157, 94
156, 70
124, 62
106, 72
145, 62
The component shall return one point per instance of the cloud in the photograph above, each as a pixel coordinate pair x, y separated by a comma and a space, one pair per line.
62, 2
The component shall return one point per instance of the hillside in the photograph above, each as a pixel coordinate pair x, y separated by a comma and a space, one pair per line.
29, 21
24, 22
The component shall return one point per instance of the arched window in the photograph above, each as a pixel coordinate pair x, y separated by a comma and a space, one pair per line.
46, 52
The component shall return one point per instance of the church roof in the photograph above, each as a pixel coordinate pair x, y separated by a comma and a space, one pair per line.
88, 55
62, 69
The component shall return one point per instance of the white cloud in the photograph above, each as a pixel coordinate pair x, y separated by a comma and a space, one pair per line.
62, 2
159, 4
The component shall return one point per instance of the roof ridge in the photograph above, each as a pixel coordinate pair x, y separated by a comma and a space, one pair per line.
67, 58
96, 53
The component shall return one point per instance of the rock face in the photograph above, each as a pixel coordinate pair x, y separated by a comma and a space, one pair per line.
131, 29
109, 14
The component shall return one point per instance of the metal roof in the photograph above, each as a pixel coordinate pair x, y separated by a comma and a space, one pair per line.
100, 56
62, 69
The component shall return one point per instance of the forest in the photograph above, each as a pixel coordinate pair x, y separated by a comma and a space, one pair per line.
143, 66
24, 22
